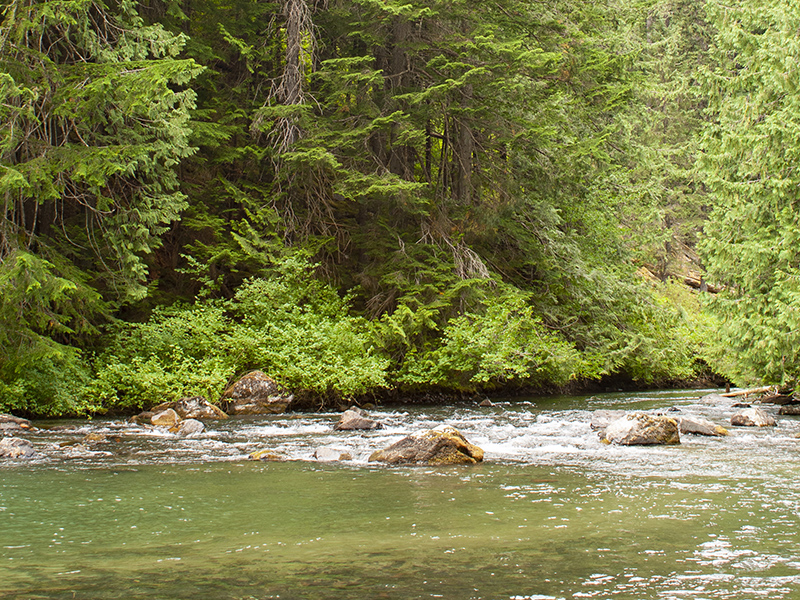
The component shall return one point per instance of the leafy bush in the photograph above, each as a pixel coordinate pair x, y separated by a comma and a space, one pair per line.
499, 342
291, 326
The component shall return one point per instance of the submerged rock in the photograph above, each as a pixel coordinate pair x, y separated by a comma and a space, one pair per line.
442, 445
265, 454
640, 429
12, 447
699, 426
256, 394
195, 407
328, 454
753, 417
10, 424
717, 399
354, 418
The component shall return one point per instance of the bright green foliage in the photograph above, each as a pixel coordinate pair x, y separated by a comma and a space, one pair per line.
37, 308
476, 179
750, 156
667, 201
291, 326
94, 120
506, 344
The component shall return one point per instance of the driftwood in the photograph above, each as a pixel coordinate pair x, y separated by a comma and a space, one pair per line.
759, 390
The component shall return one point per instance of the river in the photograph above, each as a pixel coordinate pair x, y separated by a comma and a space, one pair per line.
551, 513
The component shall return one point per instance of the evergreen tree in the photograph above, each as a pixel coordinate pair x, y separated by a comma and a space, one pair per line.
94, 119
749, 159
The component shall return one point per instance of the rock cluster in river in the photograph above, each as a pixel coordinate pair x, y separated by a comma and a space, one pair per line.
11, 424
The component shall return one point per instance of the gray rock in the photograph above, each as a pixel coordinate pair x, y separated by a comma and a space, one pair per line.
190, 427
640, 429
12, 447
716, 399
753, 417
354, 418
442, 445
256, 394
699, 426
10, 424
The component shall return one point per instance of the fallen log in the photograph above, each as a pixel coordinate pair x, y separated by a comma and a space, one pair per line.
747, 392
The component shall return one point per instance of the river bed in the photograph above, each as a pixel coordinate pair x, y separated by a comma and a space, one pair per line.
551, 513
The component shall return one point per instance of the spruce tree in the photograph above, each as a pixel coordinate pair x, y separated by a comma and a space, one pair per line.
749, 157
94, 121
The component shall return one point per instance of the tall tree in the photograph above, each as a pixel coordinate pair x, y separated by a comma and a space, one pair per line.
749, 159
94, 119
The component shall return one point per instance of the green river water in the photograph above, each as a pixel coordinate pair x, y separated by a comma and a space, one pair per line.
551, 513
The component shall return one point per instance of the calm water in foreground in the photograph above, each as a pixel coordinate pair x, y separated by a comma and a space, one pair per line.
551, 513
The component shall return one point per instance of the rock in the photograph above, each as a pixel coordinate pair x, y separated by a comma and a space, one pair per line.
190, 427
12, 447
195, 407
355, 418
776, 399
640, 429
486, 403
142, 418
699, 426
256, 394
789, 409
264, 454
740, 405
166, 418
328, 454
715, 399
11, 424
442, 445
602, 418
753, 417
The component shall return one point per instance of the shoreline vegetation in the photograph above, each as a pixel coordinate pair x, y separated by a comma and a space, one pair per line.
394, 198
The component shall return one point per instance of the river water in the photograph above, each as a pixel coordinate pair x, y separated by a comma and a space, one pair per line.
551, 513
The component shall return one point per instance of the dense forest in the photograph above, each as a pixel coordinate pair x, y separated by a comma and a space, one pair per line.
385, 197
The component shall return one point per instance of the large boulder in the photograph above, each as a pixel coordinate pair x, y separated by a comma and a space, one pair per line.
195, 407
753, 417
10, 424
699, 426
442, 445
12, 447
256, 394
355, 419
640, 429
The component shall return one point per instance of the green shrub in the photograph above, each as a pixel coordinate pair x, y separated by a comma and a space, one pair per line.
293, 327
